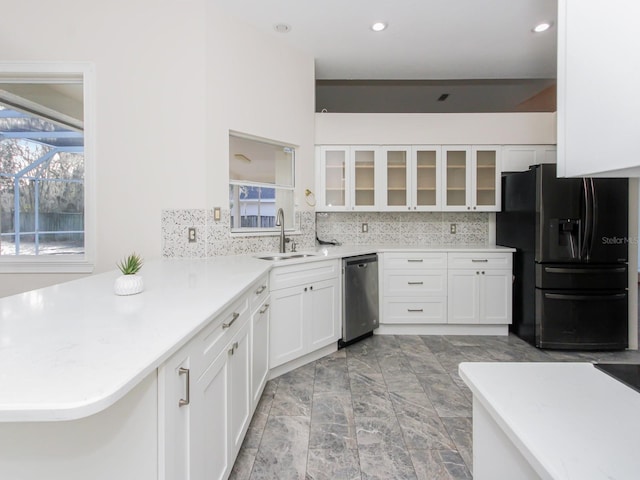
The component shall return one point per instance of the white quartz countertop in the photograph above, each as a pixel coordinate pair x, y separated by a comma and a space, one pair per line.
569, 420
73, 349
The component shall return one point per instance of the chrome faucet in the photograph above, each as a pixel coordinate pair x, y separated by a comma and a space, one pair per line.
280, 223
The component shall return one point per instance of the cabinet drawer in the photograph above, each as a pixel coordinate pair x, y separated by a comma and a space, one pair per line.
210, 342
259, 292
483, 260
415, 283
300, 274
415, 310
417, 260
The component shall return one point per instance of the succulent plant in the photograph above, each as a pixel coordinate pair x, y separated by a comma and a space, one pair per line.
131, 265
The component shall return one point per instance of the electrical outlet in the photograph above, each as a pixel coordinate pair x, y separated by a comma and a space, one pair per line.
452, 228
192, 234
365, 228
216, 214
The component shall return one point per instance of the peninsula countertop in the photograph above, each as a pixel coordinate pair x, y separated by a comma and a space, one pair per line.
568, 420
73, 349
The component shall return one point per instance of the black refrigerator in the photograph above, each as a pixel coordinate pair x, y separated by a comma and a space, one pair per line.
570, 266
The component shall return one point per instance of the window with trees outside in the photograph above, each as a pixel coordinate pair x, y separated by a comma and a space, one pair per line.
261, 181
43, 201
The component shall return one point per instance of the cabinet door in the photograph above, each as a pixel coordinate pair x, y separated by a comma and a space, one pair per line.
260, 351
495, 296
286, 335
323, 313
456, 178
239, 388
426, 178
486, 178
334, 178
463, 296
364, 178
397, 175
174, 427
209, 420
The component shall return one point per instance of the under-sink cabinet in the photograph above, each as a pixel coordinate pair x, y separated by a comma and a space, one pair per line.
207, 391
305, 310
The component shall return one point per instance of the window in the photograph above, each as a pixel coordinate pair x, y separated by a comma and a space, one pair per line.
45, 176
261, 180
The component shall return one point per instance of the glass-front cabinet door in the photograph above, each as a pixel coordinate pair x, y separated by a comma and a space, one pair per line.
486, 185
426, 177
397, 177
365, 177
334, 173
456, 177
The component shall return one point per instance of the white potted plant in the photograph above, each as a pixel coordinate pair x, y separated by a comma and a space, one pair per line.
129, 283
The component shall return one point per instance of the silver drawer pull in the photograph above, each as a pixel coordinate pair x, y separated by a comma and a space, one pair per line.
235, 317
264, 309
261, 289
415, 283
477, 260
415, 260
415, 310
187, 399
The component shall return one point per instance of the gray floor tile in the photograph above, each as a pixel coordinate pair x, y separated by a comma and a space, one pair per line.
387, 407
333, 464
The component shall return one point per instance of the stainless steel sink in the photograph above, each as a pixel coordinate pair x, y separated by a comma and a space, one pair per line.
286, 256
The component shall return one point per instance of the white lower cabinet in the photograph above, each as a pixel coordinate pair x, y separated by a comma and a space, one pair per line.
260, 350
206, 398
445, 290
482, 294
305, 309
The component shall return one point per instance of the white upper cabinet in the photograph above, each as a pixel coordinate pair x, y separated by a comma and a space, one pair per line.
334, 178
598, 78
365, 178
397, 177
518, 158
471, 178
426, 177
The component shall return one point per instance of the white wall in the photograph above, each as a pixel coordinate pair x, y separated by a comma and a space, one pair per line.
435, 128
171, 78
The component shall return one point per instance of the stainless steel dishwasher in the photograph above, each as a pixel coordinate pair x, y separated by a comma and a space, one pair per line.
360, 306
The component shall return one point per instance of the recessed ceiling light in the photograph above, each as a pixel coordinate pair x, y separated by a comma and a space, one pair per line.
542, 27
282, 28
378, 26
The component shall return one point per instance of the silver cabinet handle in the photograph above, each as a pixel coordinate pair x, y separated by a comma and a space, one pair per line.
187, 399
414, 260
233, 349
415, 283
478, 260
235, 317
261, 289
264, 309
415, 309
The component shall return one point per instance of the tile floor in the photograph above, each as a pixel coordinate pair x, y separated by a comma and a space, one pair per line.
388, 407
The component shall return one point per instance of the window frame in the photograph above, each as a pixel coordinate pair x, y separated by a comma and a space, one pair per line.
294, 228
55, 72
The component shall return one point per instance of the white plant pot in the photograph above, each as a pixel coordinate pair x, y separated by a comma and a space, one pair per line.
128, 285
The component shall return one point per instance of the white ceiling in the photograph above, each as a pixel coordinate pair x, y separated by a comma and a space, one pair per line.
425, 39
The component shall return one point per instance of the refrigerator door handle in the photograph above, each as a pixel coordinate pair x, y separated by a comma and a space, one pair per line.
565, 296
584, 270
586, 233
594, 216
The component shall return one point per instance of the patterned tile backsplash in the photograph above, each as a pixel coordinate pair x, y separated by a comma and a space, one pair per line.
404, 228
215, 239
389, 228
